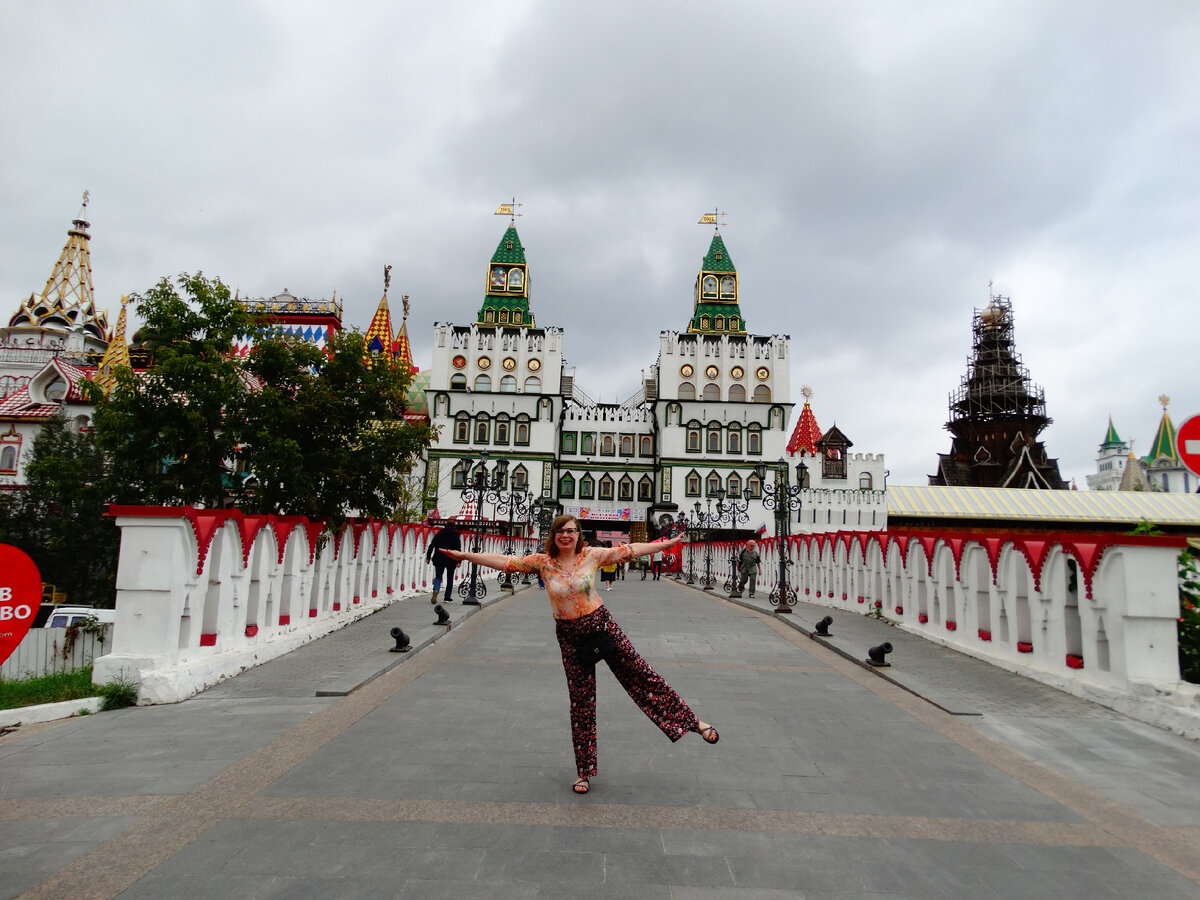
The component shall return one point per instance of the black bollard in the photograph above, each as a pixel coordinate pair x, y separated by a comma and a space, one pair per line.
443, 617
877, 654
402, 644
823, 627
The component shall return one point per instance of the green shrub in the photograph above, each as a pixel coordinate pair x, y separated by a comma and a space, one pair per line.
1189, 618
47, 689
119, 693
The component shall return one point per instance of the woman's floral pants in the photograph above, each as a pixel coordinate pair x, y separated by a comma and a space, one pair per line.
649, 691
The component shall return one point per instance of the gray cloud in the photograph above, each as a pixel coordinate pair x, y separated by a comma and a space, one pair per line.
880, 165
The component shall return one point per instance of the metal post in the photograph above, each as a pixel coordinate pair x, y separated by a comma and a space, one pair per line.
784, 499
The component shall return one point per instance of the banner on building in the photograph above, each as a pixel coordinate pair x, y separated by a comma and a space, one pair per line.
606, 513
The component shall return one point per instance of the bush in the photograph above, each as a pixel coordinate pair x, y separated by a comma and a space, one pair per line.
118, 693
47, 689
1189, 618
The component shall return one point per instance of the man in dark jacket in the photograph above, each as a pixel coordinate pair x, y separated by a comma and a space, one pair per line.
747, 569
443, 566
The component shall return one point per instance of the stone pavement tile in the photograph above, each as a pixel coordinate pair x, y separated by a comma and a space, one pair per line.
221, 886
31, 851
1151, 771
657, 868
452, 888
563, 870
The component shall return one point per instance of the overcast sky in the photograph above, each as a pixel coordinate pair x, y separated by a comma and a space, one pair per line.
880, 164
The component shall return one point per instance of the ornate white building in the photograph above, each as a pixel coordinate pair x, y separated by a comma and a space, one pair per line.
713, 407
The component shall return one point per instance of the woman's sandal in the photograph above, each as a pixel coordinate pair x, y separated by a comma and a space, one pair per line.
581, 786
709, 734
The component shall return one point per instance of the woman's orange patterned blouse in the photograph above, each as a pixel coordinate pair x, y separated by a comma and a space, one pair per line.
572, 591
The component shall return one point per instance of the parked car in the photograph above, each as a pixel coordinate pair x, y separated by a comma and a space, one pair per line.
62, 616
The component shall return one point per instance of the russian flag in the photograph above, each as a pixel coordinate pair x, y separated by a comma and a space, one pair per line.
762, 529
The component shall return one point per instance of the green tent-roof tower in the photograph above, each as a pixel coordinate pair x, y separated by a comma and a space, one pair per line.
506, 297
717, 310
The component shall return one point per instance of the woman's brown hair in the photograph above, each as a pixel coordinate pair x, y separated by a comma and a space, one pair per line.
552, 547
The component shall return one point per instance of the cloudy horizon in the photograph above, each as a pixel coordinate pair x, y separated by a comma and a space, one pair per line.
882, 167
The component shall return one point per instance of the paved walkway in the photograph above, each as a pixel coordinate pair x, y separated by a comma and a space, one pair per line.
445, 772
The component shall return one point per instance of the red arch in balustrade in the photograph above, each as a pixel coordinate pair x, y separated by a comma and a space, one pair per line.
958, 545
864, 538
1087, 550
313, 529
1035, 549
900, 539
283, 526
928, 543
358, 526
992, 545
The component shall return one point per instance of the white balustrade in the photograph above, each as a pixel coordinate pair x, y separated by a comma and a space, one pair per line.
1093, 614
205, 594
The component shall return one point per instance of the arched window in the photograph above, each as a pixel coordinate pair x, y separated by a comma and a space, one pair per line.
737, 393
520, 478
627, 445
458, 479
462, 429
646, 489
481, 429
865, 481
734, 441
687, 391
693, 438
734, 485
508, 384
755, 486
566, 487
625, 488
712, 484
712, 393
458, 382
589, 445
483, 382
692, 485
8, 458
587, 488
754, 440
606, 487
608, 447
502, 429
714, 439
645, 445
533, 385
762, 394
523, 429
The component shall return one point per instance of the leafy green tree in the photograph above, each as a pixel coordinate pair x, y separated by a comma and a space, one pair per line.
63, 507
166, 432
323, 433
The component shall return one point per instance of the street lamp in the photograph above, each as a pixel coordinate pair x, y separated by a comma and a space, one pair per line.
706, 520
734, 513
782, 497
472, 591
517, 504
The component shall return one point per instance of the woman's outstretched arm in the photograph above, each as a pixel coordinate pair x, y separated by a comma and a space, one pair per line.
491, 560
656, 547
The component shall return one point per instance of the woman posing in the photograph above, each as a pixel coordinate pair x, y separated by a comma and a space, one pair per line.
569, 569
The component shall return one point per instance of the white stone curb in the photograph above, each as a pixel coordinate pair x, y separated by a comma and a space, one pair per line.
48, 712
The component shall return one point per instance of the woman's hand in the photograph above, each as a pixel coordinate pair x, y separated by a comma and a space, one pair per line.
456, 555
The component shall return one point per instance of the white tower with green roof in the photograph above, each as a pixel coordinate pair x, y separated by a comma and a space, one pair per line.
1110, 462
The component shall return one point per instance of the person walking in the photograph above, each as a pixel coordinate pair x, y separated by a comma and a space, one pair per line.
608, 573
443, 565
582, 622
747, 569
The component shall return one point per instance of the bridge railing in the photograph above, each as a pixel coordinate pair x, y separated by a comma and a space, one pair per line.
1093, 613
205, 594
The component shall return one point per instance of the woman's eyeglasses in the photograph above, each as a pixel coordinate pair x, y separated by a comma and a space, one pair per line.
568, 531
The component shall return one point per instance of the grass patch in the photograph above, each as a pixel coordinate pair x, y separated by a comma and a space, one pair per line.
48, 689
